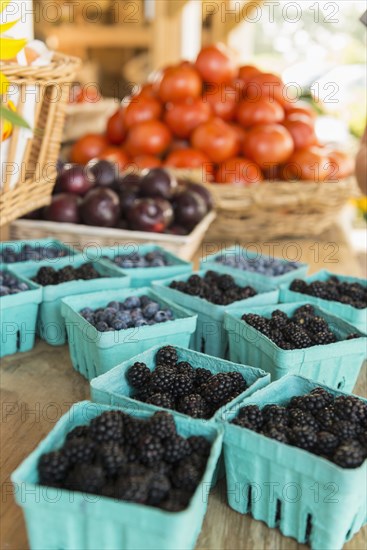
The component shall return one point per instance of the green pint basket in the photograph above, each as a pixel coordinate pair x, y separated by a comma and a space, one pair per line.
93, 353
354, 316
267, 281
17, 246
51, 325
210, 336
142, 276
306, 496
18, 317
336, 365
60, 519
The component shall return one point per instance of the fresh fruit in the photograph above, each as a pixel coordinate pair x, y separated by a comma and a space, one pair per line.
144, 162
32, 253
158, 183
216, 139
141, 109
342, 165
301, 128
310, 164
299, 108
148, 138
245, 72
190, 209
353, 294
222, 99
75, 179
103, 172
116, 156
238, 171
268, 144
265, 86
178, 83
261, 111
51, 276
217, 288
183, 117
9, 284
153, 215
204, 193
64, 208
100, 207
87, 148
116, 130
191, 158
214, 64
271, 267
155, 258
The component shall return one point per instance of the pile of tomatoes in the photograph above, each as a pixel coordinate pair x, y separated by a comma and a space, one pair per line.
237, 124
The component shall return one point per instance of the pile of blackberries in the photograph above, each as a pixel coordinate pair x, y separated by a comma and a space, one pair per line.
214, 287
135, 311
271, 267
10, 284
29, 253
353, 294
50, 276
303, 330
176, 385
156, 258
332, 427
126, 458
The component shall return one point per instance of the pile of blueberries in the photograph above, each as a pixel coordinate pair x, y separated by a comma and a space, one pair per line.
9, 284
271, 267
30, 253
156, 258
134, 312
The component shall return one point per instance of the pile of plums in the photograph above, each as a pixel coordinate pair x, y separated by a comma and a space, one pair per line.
155, 201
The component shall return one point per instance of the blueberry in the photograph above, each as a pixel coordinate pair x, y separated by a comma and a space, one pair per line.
151, 310
117, 324
136, 314
123, 316
169, 313
87, 311
144, 300
101, 326
23, 286
160, 316
132, 302
141, 323
4, 291
113, 305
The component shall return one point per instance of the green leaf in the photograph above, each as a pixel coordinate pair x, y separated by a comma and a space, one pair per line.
13, 118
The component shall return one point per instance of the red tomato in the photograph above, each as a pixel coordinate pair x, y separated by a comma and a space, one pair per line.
238, 171
190, 158
179, 83
116, 130
310, 164
88, 147
141, 109
184, 116
246, 71
301, 128
146, 161
117, 156
151, 137
265, 85
223, 100
268, 144
299, 108
261, 111
147, 90
215, 64
342, 165
240, 133
216, 139
178, 144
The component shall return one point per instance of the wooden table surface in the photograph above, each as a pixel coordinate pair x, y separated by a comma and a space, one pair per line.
39, 386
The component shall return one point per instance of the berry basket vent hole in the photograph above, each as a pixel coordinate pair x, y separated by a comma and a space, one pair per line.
278, 513
202, 347
341, 384
18, 340
249, 499
308, 529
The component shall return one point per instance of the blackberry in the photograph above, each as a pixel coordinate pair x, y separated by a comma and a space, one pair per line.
184, 367
175, 449
315, 324
166, 356
275, 414
158, 488
162, 379
53, 467
238, 381
277, 337
345, 429
279, 319
225, 282
297, 336
275, 433
138, 375
194, 280
133, 489
303, 436
107, 427
134, 429
143, 394
307, 309
112, 458
323, 395
87, 478
80, 432
46, 276
349, 407
251, 417
199, 445
164, 400
133, 469
326, 418
202, 376
353, 335
177, 500
327, 442
162, 425
218, 388
299, 417
257, 322
194, 405
182, 385
323, 338
150, 449
314, 402
80, 451
186, 476
299, 285
349, 455
362, 438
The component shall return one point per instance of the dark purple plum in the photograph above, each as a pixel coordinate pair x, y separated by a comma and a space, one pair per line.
63, 208
204, 193
104, 172
150, 215
190, 209
100, 207
158, 183
75, 179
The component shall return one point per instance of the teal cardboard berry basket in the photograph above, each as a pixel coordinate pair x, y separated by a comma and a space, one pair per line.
267, 281
336, 365
354, 316
210, 336
306, 496
50, 324
57, 518
16, 246
93, 353
112, 388
142, 276
18, 315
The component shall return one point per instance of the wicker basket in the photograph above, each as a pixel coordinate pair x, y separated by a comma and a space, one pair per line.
36, 181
